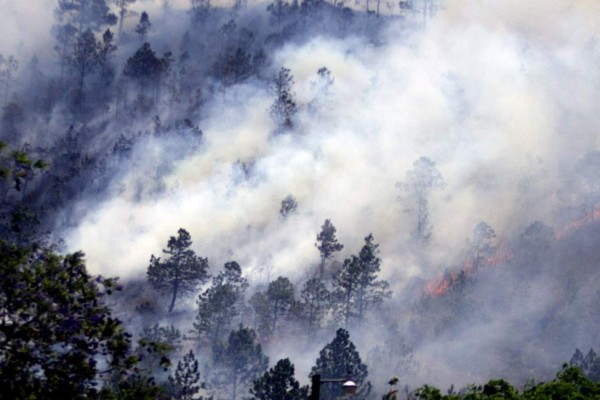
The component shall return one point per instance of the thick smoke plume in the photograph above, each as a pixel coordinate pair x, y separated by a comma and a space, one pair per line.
502, 95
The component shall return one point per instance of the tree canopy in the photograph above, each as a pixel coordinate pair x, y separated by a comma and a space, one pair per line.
57, 337
279, 383
181, 272
340, 359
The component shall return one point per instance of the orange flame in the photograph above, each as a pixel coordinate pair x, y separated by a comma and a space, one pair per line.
436, 287
577, 224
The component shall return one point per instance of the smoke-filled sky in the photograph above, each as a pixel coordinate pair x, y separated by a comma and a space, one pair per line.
502, 95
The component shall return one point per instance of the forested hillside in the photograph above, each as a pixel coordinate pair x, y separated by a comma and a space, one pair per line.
224, 199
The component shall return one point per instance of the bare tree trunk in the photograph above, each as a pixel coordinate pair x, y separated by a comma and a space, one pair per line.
175, 288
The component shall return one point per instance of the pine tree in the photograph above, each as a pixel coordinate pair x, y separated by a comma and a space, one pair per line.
219, 305
84, 58
327, 244
482, 245
238, 362
146, 69
416, 190
274, 305
356, 286
143, 26
284, 107
181, 272
279, 384
338, 360
185, 383
105, 50
314, 301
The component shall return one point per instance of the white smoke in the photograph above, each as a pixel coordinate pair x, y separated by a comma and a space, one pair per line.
502, 95
499, 94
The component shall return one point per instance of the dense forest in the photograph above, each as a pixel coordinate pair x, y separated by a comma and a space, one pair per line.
233, 200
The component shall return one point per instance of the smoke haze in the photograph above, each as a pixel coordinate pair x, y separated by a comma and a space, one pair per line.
498, 96
502, 95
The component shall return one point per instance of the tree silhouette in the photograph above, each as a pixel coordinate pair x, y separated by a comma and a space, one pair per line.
340, 359
356, 288
143, 26
219, 305
279, 383
274, 305
283, 107
314, 302
56, 333
185, 383
288, 206
416, 190
482, 245
238, 362
181, 272
327, 244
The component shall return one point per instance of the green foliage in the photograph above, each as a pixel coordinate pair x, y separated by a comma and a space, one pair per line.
185, 383
17, 167
220, 304
428, 393
181, 272
155, 346
133, 387
56, 334
238, 362
340, 359
327, 244
279, 383
274, 305
356, 288
570, 383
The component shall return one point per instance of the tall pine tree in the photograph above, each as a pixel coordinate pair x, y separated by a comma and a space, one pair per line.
327, 244
339, 360
238, 362
356, 288
219, 305
185, 383
274, 306
279, 384
181, 271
